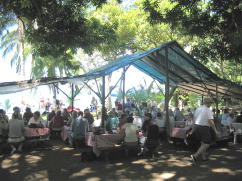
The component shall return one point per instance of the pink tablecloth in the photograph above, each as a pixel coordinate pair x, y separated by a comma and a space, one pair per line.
102, 141
179, 133
35, 132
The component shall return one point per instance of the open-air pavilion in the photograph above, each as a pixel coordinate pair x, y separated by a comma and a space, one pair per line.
168, 64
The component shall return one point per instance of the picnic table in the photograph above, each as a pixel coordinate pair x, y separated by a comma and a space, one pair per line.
36, 134
103, 141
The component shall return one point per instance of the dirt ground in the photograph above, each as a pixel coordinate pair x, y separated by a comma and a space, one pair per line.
59, 162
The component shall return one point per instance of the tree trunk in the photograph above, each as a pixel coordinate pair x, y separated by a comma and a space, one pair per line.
21, 48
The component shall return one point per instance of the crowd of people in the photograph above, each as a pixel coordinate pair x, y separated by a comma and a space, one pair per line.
141, 125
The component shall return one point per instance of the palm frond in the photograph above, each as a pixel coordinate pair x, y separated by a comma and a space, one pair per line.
14, 59
8, 50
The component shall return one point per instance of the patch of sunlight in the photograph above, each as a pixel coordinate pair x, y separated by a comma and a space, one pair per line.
93, 179
41, 175
182, 179
223, 170
15, 170
81, 172
120, 171
15, 156
67, 148
77, 154
230, 157
141, 161
55, 148
32, 159
11, 162
163, 176
179, 163
119, 164
224, 149
148, 167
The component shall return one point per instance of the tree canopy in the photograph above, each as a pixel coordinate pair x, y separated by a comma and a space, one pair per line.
57, 28
216, 22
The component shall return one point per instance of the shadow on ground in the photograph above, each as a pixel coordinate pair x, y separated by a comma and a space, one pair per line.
57, 162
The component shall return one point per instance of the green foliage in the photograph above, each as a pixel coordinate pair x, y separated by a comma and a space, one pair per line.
55, 27
185, 98
217, 23
144, 93
7, 105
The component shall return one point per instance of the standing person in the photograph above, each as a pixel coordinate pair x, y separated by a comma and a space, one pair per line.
203, 117
57, 122
16, 132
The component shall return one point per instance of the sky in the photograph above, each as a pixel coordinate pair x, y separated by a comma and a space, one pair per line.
7, 74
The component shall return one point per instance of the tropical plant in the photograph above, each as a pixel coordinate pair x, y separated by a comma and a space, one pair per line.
144, 93
13, 46
7, 105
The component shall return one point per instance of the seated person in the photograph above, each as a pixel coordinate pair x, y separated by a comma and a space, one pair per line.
89, 117
27, 115
230, 119
178, 115
3, 126
50, 116
160, 122
189, 121
79, 128
122, 122
137, 119
112, 121
152, 142
131, 132
16, 132
147, 122
36, 121
66, 115
57, 122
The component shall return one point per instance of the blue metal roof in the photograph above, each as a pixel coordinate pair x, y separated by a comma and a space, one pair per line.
184, 71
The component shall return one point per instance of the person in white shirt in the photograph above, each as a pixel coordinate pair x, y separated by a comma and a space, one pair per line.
131, 132
203, 117
36, 120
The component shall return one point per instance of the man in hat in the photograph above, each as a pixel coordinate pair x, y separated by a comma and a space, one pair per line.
203, 118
